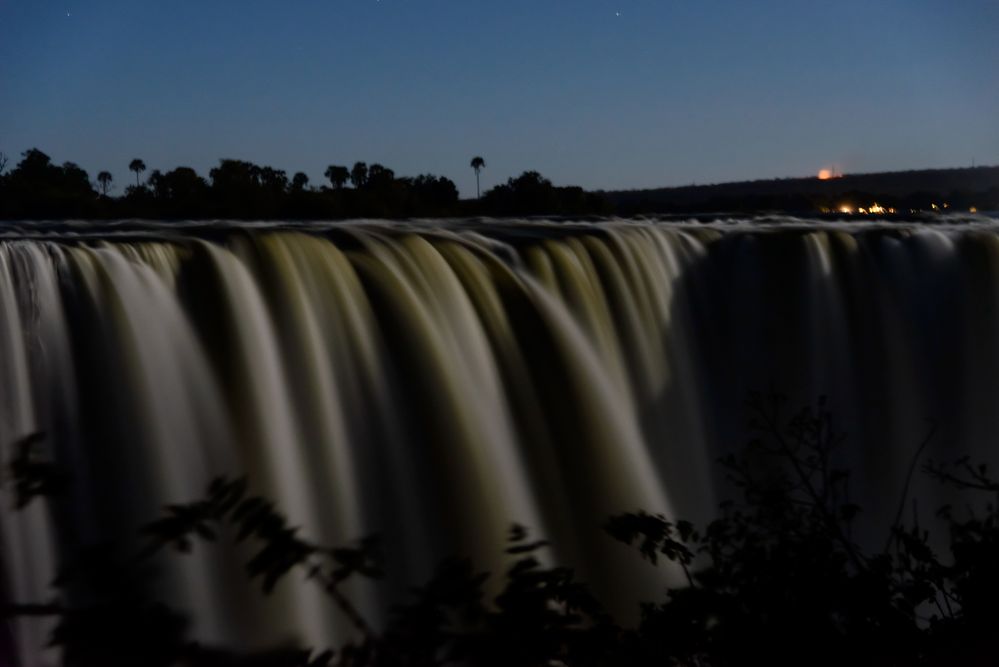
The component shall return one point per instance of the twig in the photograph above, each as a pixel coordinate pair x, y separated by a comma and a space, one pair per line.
908, 481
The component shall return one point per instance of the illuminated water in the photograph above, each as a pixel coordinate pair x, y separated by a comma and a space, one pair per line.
434, 383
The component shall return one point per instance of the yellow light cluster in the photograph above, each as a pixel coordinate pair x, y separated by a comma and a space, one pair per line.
873, 209
878, 209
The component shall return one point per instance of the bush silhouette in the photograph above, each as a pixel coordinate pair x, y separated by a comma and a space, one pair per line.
777, 578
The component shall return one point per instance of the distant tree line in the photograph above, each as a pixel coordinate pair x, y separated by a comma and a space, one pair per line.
961, 189
38, 188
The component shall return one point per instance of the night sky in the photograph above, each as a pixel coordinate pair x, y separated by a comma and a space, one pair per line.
599, 93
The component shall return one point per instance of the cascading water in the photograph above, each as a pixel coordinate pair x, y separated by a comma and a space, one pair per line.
434, 383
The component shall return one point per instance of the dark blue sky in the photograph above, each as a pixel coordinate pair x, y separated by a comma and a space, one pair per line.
600, 93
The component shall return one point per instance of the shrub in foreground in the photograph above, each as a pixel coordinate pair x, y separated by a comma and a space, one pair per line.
777, 578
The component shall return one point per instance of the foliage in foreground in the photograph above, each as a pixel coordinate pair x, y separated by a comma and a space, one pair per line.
777, 578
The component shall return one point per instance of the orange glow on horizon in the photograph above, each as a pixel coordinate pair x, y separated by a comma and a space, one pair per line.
825, 174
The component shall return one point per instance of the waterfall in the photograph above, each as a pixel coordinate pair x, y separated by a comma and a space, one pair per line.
435, 383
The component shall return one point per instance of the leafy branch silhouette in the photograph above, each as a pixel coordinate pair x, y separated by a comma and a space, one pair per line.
279, 549
778, 577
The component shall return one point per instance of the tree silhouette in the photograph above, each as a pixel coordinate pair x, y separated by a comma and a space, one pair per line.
180, 192
477, 164
432, 193
33, 162
337, 175
3, 162
299, 181
359, 175
379, 177
37, 188
105, 178
235, 176
274, 180
138, 166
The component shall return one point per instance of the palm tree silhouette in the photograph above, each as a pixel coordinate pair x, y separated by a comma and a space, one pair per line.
337, 175
138, 166
477, 164
105, 178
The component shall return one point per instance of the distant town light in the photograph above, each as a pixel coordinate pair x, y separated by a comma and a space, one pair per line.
845, 209
825, 174
973, 209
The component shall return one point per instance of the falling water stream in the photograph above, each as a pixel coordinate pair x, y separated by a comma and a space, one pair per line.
434, 383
